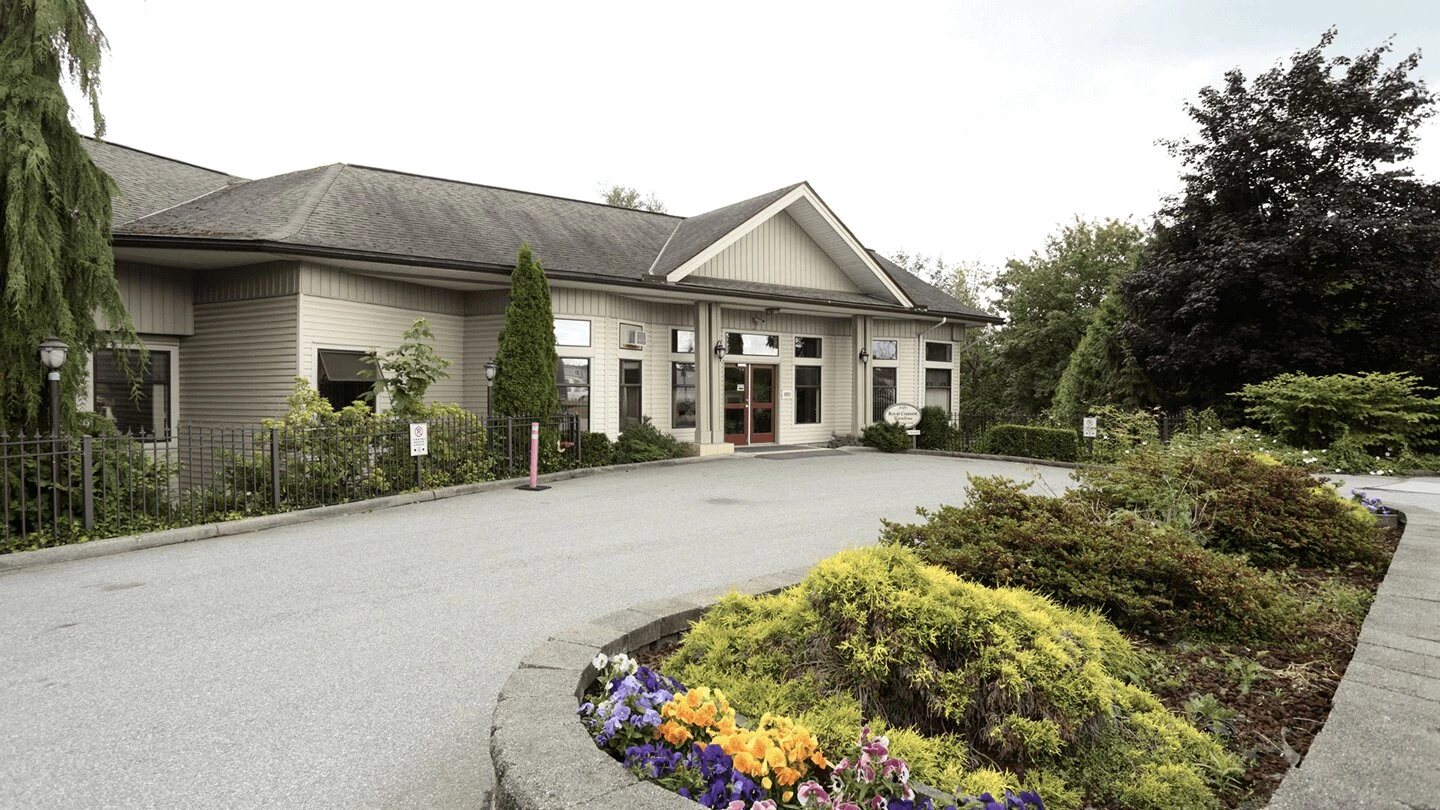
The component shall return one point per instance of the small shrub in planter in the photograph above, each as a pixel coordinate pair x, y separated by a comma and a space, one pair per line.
643, 441
936, 433
596, 450
1026, 441
887, 437
1145, 578
1241, 503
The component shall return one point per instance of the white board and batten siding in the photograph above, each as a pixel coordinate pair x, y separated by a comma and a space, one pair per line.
778, 251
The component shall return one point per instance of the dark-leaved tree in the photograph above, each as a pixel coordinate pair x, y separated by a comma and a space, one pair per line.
56, 269
525, 383
1300, 242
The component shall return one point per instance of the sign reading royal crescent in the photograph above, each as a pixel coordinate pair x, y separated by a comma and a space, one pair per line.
903, 414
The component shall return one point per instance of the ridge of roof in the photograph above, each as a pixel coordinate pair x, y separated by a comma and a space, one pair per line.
307, 206
160, 157
512, 190
700, 231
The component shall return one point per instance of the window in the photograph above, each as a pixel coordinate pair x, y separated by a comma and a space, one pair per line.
682, 389
937, 352
884, 350
338, 379
807, 395
807, 347
882, 390
757, 345
572, 333
573, 378
937, 387
682, 341
149, 413
631, 408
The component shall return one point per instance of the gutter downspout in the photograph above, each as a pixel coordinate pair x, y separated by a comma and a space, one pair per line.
920, 362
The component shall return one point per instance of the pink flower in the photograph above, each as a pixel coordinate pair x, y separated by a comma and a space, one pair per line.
812, 789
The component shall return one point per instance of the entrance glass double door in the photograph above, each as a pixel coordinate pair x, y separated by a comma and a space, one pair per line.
749, 403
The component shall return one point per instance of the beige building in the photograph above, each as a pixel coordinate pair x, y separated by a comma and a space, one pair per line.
763, 321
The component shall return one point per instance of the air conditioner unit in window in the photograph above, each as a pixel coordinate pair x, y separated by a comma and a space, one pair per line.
633, 339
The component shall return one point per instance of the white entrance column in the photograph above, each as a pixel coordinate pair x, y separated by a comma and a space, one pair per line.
861, 387
709, 382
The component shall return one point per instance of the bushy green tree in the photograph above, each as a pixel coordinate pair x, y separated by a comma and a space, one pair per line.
56, 268
627, 197
1302, 242
407, 371
525, 383
1102, 369
1370, 412
1049, 300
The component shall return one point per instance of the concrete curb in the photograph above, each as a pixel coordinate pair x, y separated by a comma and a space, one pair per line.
185, 534
543, 757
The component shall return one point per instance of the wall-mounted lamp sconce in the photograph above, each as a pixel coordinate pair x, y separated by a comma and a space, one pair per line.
720, 350
864, 356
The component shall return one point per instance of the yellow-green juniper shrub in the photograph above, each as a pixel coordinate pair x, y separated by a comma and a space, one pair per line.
962, 676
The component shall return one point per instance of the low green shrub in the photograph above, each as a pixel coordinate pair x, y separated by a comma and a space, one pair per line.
643, 441
596, 450
1120, 432
1148, 579
936, 432
887, 437
1028, 441
1241, 503
978, 687
1368, 414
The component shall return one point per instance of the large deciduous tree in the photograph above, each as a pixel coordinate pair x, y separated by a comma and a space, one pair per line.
1050, 299
525, 383
56, 267
1300, 241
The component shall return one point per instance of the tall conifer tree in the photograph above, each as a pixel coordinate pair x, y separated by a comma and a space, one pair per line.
525, 383
57, 271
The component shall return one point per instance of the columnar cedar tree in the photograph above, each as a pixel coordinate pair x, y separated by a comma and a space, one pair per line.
525, 380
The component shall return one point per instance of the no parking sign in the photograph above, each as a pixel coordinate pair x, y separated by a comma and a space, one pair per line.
419, 438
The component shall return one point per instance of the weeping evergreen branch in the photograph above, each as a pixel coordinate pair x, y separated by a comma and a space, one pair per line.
57, 273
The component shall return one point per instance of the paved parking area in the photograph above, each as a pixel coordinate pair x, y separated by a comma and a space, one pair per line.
354, 661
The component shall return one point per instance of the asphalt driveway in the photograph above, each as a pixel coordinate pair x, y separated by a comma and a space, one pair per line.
354, 661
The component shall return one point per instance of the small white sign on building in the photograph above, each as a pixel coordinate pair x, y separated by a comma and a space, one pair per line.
1089, 427
419, 438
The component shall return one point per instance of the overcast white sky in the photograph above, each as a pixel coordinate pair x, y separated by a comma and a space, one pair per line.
969, 129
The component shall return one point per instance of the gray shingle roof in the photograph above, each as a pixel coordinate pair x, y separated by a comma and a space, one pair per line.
150, 183
927, 295
699, 232
357, 208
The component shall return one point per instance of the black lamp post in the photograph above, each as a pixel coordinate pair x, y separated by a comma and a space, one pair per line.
52, 356
490, 369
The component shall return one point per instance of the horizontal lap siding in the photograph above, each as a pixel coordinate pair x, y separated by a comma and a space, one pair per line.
328, 323
239, 365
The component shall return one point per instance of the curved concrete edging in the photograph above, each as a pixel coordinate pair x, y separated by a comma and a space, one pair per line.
185, 534
543, 757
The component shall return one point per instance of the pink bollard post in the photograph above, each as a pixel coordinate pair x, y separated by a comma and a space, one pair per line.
534, 453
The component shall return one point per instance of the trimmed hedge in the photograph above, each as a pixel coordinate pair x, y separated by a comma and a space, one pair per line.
1026, 441
887, 437
935, 430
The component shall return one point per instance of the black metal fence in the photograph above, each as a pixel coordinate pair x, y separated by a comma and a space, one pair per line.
55, 491
971, 428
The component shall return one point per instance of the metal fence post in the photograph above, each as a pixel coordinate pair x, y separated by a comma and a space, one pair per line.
87, 471
275, 467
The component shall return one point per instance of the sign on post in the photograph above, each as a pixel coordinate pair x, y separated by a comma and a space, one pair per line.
902, 414
419, 438
1089, 427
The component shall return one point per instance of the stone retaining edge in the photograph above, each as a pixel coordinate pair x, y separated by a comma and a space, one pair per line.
543, 757
185, 534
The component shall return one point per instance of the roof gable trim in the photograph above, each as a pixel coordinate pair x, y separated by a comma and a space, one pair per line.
800, 193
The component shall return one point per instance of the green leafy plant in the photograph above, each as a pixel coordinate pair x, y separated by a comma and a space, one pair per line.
1370, 412
936, 432
1120, 432
887, 437
1029, 441
407, 371
596, 450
